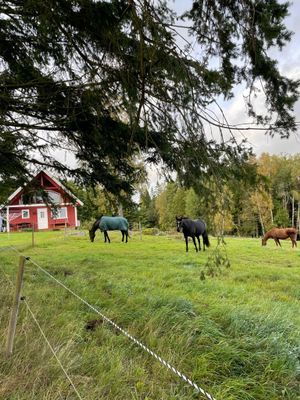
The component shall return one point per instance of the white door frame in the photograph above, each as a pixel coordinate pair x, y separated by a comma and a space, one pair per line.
7, 220
42, 218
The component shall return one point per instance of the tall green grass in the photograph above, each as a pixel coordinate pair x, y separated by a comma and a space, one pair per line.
237, 335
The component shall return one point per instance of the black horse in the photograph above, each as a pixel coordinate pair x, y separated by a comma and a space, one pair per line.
110, 224
194, 229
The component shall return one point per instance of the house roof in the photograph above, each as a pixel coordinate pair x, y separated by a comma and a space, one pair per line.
64, 188
16, 192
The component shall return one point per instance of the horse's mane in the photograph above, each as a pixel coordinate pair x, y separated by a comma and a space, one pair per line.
96, 223
288, 230
180, 217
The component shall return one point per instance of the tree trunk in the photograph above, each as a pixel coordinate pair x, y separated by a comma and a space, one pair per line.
298, 217
256, 228
261, 223
272, 217
293, 211
120, 210
238, 225
223, 225
260, 216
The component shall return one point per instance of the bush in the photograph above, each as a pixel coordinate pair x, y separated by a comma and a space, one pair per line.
150, 231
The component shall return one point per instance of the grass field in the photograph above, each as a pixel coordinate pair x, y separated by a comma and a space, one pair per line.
236, 335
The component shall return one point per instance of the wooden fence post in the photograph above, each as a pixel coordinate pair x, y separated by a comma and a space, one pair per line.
15, 308
32, 236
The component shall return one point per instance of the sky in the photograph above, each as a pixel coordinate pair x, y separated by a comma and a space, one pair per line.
289, 65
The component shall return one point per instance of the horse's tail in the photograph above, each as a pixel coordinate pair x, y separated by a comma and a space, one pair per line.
205, 239
292, 232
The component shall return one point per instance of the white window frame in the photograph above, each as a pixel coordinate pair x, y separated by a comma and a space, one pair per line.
56, 214
28, 213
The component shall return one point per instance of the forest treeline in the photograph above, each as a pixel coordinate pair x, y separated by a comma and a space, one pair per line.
232, 207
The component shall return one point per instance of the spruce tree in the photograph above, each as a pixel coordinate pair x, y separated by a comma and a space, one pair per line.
110, 82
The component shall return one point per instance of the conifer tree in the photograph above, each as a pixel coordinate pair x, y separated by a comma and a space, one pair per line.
109, 81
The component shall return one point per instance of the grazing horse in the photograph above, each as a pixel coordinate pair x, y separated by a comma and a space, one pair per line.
109, 224
194, 229
280, 233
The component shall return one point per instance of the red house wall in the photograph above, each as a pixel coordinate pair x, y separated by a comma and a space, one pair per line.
53, 223
51, 185
60, 222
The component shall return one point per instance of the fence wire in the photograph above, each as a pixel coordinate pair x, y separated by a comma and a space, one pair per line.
128, 335
43, 334
51, 348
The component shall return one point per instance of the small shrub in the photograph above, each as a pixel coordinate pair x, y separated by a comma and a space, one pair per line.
150, 231
216, 262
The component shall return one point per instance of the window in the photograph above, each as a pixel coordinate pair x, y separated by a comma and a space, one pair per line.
25, 214
38, 199
54, 197
31, 198
59, 213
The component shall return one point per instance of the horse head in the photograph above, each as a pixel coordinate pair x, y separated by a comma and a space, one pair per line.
179, 223
263, 242
92, 235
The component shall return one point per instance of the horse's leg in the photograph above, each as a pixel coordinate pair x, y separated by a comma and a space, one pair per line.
106, 237
198, 238
279, 242
124, 235
193, 237
104, 233
186, 243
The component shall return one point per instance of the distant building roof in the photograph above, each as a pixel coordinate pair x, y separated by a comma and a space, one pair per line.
58, 183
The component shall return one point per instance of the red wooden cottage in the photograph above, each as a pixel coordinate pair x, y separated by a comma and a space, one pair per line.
27, 207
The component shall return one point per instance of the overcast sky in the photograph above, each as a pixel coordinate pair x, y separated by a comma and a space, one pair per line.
289, 65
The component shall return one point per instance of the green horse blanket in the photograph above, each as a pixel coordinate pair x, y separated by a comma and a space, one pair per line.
113, 224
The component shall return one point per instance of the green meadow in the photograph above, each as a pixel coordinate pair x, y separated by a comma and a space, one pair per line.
235, 334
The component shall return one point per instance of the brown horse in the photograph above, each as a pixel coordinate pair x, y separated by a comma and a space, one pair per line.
280, 233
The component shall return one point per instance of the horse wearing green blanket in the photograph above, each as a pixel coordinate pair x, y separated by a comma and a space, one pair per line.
109, 224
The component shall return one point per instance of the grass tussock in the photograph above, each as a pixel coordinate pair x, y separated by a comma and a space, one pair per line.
235, 333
